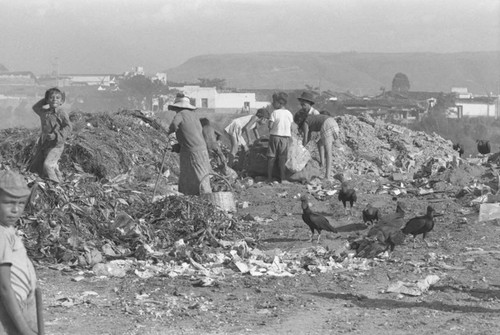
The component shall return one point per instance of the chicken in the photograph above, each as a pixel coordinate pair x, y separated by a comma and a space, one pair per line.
380, 239
314, 221
370, 213
458, 148
396, 219
483, 147
347, 194
420, 225
385, 235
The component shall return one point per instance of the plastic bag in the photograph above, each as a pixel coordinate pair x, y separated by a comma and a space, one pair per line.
298, 156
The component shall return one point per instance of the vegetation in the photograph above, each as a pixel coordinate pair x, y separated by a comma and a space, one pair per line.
400, 83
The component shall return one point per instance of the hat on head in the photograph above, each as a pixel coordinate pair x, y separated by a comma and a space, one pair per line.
280, 97
181, 102
262, 112
13, 184
307, 97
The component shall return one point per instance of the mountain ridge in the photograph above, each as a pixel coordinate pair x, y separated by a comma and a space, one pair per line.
360, 73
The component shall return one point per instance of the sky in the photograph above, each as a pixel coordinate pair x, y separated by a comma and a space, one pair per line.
113, 36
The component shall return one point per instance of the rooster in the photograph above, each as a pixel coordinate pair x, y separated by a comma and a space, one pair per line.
347, 194
420, 225
314, 221
370, 213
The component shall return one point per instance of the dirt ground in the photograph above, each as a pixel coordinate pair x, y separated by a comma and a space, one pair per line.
463, 253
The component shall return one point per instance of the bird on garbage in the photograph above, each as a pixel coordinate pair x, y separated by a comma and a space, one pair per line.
370, 213
383, 236
347, 194
420, 225
483, 147
314, 221
458, 148
395, 219
379, 239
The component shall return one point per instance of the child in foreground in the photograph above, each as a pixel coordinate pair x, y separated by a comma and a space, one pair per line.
18, 307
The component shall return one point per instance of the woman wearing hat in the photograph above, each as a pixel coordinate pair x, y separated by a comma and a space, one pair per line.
194, 159
306, 102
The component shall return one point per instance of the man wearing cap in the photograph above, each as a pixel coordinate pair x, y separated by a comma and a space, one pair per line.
194, 159
241, 126
18, 313
306, 102
280, 133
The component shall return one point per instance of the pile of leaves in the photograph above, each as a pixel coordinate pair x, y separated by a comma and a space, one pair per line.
85, 221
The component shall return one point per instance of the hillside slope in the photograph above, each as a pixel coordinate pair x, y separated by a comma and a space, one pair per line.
360, 73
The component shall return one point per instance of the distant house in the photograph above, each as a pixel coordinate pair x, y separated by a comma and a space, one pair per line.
100, 80
476, 107
209, 98
22, 78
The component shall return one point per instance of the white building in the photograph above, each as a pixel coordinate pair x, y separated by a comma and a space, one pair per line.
477, 106
208, 97
102, 80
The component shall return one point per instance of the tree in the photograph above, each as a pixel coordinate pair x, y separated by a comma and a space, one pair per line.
400, 83
141, 89
218, 83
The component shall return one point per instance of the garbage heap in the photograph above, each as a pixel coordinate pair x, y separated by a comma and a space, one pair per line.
368, 145
101, 144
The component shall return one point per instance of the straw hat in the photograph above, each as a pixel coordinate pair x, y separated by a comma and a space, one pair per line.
307, 97
181, 102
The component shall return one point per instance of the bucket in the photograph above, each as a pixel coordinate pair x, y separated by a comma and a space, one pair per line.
223, 200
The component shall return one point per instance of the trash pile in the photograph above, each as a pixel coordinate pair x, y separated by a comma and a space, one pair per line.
101, 144
367, 145
84, 222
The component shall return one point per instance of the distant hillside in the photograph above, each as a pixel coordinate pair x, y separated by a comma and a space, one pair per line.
360, 73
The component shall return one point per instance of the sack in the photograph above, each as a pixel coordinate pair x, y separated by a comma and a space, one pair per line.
306, 174
298, 156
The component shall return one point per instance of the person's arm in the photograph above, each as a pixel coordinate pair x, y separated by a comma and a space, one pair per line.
38, 107
9, 300
249, 125
256, 133
306, 133
175, 124
65, 128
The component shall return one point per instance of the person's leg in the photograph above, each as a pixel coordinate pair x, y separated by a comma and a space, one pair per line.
328, 157
270, 168
321, 152
271, 157
234, 148
51, 162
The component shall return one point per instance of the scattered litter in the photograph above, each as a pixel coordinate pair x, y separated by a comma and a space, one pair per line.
413, 288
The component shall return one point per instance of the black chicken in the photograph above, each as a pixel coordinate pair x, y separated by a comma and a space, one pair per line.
420, 225
370, 213
458, 148
347, 194
378, 240
396, 219
385, 235
314, 221
483, 147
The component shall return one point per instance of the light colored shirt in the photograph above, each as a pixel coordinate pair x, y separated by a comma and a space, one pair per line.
313, 111
282, 120
13, 252
239, 123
